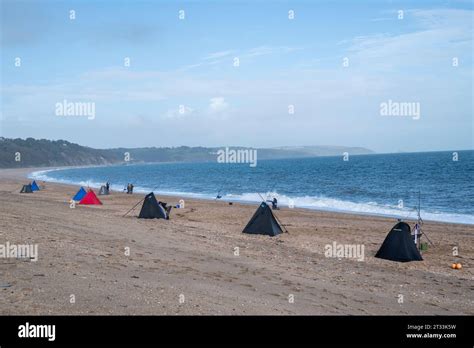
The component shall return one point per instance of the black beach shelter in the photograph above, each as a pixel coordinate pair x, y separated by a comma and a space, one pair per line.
151, 209
26, 189
263, 222
399, 245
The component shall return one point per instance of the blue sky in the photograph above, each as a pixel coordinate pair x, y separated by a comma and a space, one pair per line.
283, 62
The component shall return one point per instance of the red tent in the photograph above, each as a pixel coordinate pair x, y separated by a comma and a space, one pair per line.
90, 198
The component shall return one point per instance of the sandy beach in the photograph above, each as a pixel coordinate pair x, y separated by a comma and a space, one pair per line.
188, 264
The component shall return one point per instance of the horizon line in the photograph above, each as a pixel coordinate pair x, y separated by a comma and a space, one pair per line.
278, 147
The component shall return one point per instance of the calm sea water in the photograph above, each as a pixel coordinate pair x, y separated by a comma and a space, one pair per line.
385, 184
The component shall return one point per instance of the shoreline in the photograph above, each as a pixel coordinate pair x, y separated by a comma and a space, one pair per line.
197, 196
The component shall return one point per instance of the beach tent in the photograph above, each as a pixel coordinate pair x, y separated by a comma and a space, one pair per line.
263, 222
34, 186
103, 190
26, 189
90, 198
80, 194
399, 245
151, 209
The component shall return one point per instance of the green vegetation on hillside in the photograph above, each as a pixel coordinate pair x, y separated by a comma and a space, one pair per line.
15, 153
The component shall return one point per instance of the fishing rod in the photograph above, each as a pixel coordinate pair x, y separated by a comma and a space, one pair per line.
218, 194
220, 190
276, 217
420, 220
271, 190
133, 207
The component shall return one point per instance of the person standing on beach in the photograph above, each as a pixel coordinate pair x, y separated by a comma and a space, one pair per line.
274, 203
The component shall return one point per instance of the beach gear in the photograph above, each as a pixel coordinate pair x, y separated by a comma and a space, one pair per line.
456, 266
399, 245
90, 198
263, 222
151, 209
26, 189
80, 194
34, 186
103, 190
417, 230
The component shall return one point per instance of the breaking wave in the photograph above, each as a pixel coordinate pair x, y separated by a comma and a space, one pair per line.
321, 203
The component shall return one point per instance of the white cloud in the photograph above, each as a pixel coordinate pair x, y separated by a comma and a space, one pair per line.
442, 34
216, 55
217, 105
325, 98
266, 50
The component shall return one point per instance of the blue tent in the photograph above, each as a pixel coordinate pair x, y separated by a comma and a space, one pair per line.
80, 194
34, 186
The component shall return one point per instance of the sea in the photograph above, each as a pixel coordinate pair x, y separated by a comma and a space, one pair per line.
394, 185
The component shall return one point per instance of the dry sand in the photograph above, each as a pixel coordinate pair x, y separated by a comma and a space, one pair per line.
82, 253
